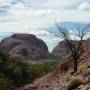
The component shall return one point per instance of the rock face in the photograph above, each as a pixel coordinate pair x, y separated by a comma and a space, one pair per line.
63, 47
25, 45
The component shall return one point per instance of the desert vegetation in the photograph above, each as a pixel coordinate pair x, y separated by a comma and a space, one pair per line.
74, 83
14, 72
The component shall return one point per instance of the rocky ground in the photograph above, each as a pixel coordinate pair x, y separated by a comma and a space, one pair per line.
58, 79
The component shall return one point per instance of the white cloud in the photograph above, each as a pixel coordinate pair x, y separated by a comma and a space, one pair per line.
49, 38
84, 6
20, 10
3, 1
29, 16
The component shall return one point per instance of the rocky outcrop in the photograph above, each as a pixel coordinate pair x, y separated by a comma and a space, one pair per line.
25, 45
63, 47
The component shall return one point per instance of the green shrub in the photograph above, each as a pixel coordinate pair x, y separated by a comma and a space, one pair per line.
48, 66
82, 68
21, 73
38, 71
74, 83
87, 72
69, 77
6, 85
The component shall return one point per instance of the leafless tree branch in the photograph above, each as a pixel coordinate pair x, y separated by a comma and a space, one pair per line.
75, 49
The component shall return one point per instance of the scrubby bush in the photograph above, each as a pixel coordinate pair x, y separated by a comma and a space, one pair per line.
23, 73
82, 68
6, 85
19, 72
48, 66
74, 83
69, 77
35, 71
87, 72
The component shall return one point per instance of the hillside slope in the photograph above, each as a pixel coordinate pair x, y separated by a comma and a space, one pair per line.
58, 78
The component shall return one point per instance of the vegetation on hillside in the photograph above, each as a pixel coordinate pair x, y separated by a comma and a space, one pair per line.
15, 73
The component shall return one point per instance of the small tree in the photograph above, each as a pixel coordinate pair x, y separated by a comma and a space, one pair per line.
76, 49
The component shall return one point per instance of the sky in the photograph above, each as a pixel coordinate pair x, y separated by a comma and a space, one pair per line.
38, 17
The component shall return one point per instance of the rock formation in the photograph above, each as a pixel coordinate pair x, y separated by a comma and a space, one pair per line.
25, 45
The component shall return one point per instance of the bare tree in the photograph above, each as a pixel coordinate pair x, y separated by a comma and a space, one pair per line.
76, 50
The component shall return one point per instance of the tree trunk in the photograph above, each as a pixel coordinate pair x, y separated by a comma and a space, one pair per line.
75, 65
